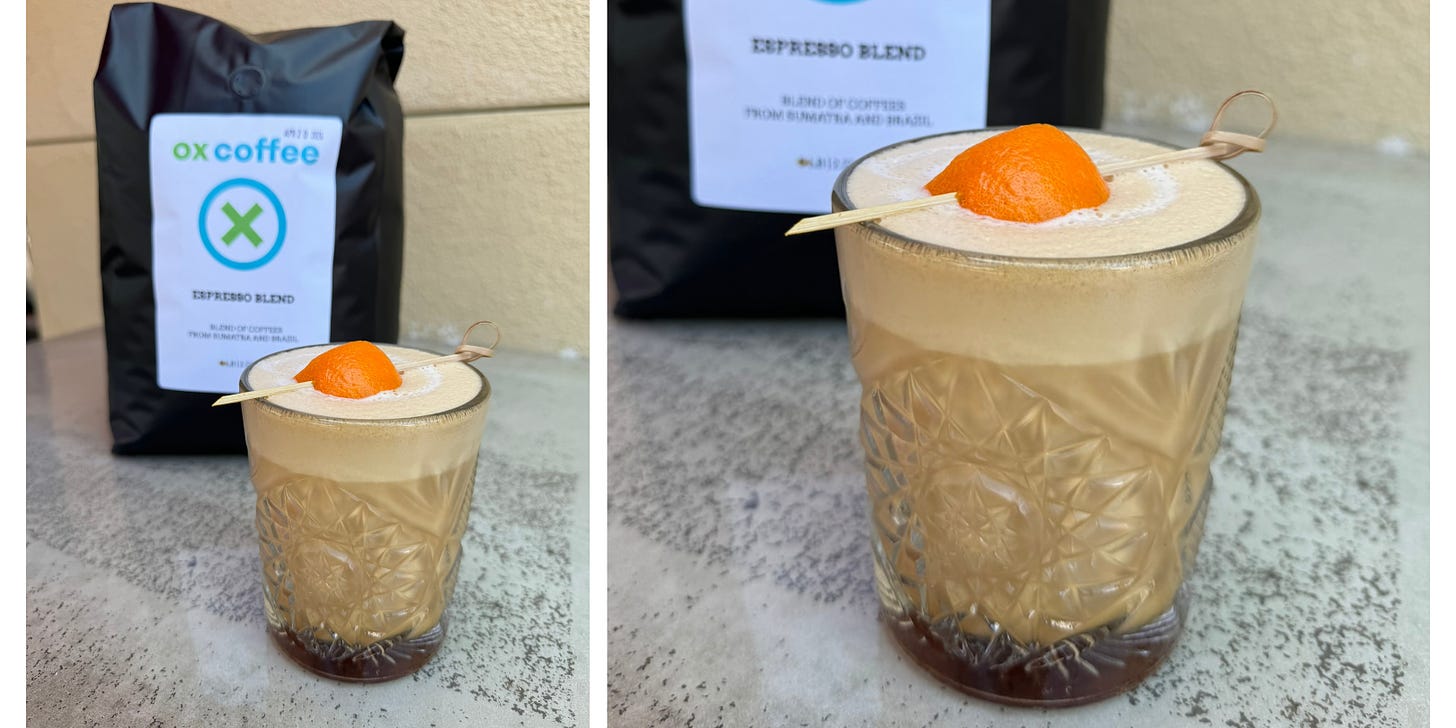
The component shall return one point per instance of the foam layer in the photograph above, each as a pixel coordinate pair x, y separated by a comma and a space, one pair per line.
1148, 209
425, 390
1050, 304
365, 440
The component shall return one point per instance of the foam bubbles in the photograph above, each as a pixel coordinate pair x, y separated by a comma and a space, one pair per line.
1141, 192
424, 390
1148, 209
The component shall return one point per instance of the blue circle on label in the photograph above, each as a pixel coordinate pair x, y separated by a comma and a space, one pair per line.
277, 209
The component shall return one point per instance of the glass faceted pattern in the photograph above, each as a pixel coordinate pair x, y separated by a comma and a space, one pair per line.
347, 568
1034, 519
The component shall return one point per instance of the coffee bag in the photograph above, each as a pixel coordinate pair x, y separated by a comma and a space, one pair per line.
251, 200
727, 122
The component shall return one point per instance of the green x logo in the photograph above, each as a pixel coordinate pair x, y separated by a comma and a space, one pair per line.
242, 224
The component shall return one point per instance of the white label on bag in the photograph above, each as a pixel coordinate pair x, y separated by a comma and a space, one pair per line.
242, 241
783, 94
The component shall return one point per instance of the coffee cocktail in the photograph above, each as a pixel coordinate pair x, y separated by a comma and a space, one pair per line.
361, 505
1040, 405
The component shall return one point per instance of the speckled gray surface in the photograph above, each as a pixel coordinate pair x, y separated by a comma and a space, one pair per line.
740, 581
144, 596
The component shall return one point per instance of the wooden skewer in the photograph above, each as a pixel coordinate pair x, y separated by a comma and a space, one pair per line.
835, 219
1210, 151
1216, 144
256, 393
241, 396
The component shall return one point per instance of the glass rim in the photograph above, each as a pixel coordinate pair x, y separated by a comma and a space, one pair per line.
1244, 220
480, 398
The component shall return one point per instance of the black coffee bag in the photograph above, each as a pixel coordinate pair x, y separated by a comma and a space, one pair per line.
251, 199
714, 110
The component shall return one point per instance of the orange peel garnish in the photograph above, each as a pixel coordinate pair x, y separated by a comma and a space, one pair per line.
1032, 173
354, 370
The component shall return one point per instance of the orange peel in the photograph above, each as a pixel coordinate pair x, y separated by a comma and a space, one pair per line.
1030, 174
354, 370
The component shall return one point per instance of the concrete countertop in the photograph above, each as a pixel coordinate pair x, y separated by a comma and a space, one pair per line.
740, 586
144, 602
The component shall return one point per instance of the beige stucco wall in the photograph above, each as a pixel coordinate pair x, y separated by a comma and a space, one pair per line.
495, 95
1351, 72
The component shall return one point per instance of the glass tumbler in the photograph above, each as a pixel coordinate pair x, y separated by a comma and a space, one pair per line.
359, 526
1037, 436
